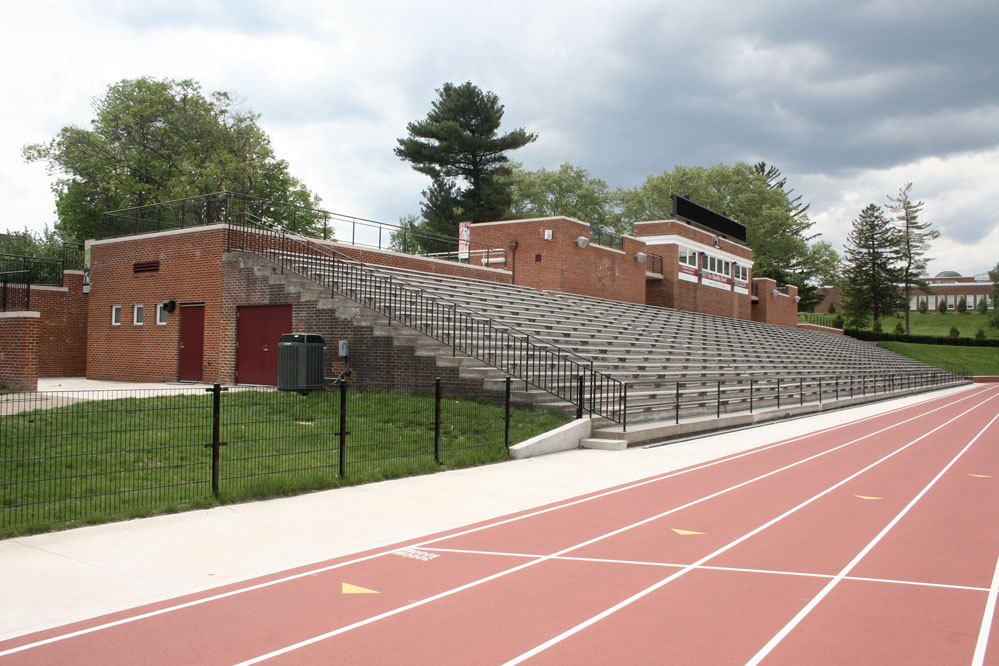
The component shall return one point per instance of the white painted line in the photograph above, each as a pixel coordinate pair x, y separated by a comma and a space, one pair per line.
546, 558
708, 567
990, 610
665, 581
780, 635
396, 547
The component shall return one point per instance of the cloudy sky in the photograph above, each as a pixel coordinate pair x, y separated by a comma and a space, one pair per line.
850, 100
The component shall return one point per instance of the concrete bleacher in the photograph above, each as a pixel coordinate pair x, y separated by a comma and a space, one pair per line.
708, 361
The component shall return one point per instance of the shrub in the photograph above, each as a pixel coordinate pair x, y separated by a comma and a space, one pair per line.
899, 329
832, 307
983, 306
962, 306
923, 306
979, 334
877, 326
838, 322
942, 306
954, 333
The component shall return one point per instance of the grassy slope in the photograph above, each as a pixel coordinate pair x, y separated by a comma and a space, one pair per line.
934, 323
959, 360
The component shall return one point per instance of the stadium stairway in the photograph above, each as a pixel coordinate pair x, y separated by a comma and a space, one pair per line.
685, 372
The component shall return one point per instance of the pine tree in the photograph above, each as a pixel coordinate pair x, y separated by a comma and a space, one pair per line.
914, 240
871, 272
459, 147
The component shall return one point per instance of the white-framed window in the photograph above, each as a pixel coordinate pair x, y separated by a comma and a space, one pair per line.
116, 315
687, 257
728, 268
137, 315
161, 314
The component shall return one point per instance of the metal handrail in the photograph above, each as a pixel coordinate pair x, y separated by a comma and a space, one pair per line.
523, 356
794, 391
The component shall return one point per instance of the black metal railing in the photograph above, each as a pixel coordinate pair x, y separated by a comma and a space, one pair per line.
43, 270
600, 236
533, 360
706, 397
86, 456
231, 207
15, 290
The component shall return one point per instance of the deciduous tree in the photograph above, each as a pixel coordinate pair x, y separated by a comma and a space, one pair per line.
158, 140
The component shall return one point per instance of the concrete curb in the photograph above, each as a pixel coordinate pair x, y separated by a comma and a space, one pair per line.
563, 438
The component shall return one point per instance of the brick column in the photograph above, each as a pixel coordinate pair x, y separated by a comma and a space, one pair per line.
19, 341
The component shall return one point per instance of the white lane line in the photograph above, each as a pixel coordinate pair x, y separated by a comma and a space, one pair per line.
990, 609
546, 558
665, 581
945, 400
780, 635
709, 567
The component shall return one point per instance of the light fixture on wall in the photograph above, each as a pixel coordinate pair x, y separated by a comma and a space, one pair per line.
548, 234
582, 241
169, 306
774, 292
797, 299
640, 257
717, 241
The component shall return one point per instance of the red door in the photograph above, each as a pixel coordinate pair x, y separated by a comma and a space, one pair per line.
258, 331
192, 342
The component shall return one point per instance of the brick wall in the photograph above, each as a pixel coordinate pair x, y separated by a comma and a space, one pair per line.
559, 264
190, 266
19, 350
425, 264
374, 360
63, 333
780, 308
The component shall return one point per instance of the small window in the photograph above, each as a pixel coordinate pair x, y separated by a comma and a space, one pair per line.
137, 315
161, 314
116, 315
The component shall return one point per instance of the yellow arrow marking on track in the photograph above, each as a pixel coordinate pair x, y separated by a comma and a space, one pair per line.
981, 476
868, 497
347, 588
685, 532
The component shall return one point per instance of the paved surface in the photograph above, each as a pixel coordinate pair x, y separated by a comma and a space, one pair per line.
56, 578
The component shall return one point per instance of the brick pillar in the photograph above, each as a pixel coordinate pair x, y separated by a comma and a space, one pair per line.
19, 340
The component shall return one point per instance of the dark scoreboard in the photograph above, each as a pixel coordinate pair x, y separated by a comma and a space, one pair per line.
685, 209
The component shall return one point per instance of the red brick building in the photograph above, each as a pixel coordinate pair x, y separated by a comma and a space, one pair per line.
173, 305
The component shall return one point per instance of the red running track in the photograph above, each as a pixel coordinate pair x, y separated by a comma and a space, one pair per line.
872, 542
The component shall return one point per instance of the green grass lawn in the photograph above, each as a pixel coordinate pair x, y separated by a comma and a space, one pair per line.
935, 323
959, 360
104, 460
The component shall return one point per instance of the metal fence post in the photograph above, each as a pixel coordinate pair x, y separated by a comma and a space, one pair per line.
437, 420
677, 403
579, 394
778, 392
718, 402
216, 391
506, 417
343, 428
750, 395
801, 390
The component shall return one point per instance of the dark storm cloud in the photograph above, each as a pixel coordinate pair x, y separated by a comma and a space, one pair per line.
809, 87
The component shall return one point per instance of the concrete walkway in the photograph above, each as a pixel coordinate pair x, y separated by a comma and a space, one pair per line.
52, 579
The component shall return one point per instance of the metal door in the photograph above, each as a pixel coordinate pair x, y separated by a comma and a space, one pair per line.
192, 341
258, 331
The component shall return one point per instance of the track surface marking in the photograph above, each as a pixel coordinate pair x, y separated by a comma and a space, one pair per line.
769, 556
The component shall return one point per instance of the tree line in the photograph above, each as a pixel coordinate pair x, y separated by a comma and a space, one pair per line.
158, 140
